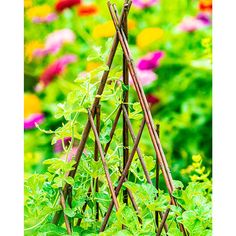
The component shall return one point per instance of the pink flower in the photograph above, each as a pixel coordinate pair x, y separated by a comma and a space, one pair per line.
150, 61
71, 154
29, 122
144, 76
55, 69
190, 24
55, 41
144, 3
58, 145
46, 19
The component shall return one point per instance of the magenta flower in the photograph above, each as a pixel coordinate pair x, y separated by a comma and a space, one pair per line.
144, 76
58, 145
150, 61
46, 19
152, 99
55, 69
190, 24
55, 41
141, 4
30, 121
204, 17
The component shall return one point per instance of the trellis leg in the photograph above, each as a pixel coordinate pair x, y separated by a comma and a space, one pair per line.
87, 128
122, 177
157, 175
63, 204
70, 204
138, 150
113, 130
163, 222
96, 155
103, 161
125, 101
135, 206
85, 205
140, 156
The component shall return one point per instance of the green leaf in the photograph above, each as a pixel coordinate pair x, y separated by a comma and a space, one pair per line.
178, 184
69, 180
69, 212
52, 229
125, 87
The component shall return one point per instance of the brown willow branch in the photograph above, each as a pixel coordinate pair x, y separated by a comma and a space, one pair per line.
163, 222
113, 130
140, 155
124, 25
122, 177
135, 206
103, 161
157, 175
95, 181
63, 204
85, 205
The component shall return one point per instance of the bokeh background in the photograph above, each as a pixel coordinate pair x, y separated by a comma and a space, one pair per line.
171, 46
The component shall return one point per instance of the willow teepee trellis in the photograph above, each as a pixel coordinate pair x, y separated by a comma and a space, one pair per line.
121, 36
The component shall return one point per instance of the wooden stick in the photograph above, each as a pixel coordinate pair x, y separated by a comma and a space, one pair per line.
103, 161
157, 176
63, 204
163, 222
124, 25
98, 108
124, 173
140, 157
135, 206
84, 206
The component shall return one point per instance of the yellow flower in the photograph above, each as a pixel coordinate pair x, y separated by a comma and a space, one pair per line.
28, 3
206, 42
92, 65
107, 29
31, 159
188, 170
30, 48
149, 36
32, 104
194, 178
39, 11
196, 158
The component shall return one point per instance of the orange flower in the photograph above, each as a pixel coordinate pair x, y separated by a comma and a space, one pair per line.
107, 29
87, 10
205, 5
